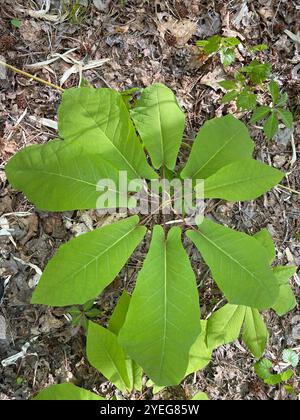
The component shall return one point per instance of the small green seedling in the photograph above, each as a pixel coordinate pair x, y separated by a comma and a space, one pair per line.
20, 381
74, 9
245, 84
243, 90
274, 112
82, 314
258, 48
16, 23
264, 369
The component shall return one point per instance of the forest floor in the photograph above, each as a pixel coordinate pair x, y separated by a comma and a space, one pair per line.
145, 42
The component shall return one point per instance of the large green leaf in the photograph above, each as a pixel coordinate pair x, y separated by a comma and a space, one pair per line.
255, 333
286, 300
163, 317
100, 117
107, 356
238, 263
160, 123
83, 267
118, 317
66, 392
115, 324
243, 180
266, 240
200, 353
221, 141
224, 326
61, 176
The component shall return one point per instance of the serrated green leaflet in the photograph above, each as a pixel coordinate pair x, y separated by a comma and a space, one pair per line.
238, 264
260, 113
229, 96
160, 123
107, 356
282, 100
246, 100
211, 45
286, 116
220, 142
82, 268
257, 72
255, 333
224, 325
227, 56
228, 84
274, 91
271, 126
100, 117
163, 317
66, 392
242, 181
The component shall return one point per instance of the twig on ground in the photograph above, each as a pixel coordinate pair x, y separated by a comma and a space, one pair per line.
31, 76
294, 157
289, 189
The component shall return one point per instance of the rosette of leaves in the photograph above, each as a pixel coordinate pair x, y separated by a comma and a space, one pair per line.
158, 329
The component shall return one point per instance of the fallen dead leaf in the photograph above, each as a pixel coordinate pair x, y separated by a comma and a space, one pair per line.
32, 223
182, 31
102, 5
213, 78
